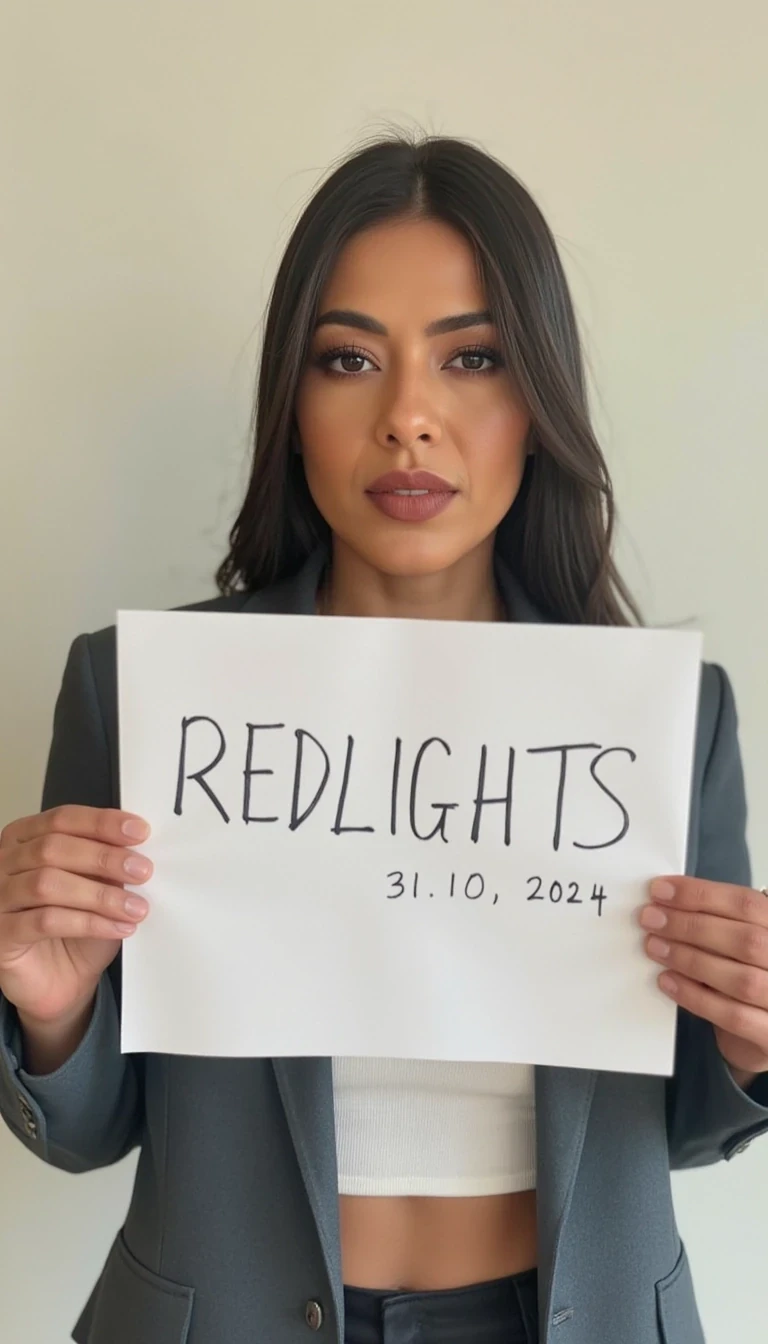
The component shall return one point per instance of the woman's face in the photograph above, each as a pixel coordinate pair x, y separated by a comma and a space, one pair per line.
405, 376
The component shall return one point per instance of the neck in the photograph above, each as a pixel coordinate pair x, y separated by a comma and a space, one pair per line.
466, 591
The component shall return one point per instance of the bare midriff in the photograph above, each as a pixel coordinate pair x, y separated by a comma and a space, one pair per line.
423, 1243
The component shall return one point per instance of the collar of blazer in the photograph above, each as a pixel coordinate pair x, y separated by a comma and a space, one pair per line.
563, 1095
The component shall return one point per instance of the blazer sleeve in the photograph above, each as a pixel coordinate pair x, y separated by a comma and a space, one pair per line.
709, 1116
87, 1113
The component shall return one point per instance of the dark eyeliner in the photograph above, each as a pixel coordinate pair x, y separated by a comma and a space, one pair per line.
485, 350
326, 358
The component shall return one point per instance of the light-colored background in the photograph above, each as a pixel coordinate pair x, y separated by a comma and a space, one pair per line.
154, 156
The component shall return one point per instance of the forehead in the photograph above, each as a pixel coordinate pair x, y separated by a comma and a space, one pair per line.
422, 262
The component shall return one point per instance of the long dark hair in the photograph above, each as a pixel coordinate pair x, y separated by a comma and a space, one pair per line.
557, 536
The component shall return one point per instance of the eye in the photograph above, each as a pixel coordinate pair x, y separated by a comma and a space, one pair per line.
475, 354
347, 355
351, 358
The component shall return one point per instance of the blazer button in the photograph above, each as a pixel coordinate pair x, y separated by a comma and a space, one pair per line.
313, 1315
28, 1116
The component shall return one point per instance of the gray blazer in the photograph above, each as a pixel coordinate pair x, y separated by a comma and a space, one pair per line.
232, 1233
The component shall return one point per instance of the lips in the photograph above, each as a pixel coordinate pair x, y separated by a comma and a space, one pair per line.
411, 496
410, 480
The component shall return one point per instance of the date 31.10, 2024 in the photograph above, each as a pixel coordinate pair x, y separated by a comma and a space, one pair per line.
474, 887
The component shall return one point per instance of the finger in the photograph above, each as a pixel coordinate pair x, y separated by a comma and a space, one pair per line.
745, 984
742, 942
92, 823
740, 1019
53, 887
713, 898
92, 858
53, 921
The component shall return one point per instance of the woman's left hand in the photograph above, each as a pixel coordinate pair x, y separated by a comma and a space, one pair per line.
713, 939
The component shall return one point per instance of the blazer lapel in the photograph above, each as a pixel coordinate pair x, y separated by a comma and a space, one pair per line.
306, 1091
306, 1084
563, 1095
563, 1101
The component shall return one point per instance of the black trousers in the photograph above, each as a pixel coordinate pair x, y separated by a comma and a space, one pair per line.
503, 1311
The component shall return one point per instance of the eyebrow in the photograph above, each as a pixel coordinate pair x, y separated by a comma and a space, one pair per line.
347, 317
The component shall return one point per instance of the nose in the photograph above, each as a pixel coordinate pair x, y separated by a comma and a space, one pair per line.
408, 417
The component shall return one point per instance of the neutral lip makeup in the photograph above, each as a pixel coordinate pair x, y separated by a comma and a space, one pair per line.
411, 496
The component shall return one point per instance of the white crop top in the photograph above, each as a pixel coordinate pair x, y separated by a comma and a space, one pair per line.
428, 1127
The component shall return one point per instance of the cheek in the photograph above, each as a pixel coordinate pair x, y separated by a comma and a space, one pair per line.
329, 424
322, 439
496, 451
327, 473
330, 460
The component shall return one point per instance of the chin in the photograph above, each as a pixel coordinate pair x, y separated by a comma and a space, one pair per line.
414, 557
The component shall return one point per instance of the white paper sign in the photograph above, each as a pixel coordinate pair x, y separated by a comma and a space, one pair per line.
403, 838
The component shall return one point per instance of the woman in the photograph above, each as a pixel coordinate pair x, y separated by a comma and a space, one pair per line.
423, 449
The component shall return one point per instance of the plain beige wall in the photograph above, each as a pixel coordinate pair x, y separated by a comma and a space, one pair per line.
154, 156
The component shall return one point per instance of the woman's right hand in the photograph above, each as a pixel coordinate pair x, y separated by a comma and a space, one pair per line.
63, 910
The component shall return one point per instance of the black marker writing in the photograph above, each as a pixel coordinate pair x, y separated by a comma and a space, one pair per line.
604, 844
298, 791
443, 808
337, 827
481, 801
296, 820
249, 772
198, 774
395, 785
564, 749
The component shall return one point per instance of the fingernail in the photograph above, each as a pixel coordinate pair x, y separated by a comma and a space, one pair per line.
657, 948
652, 918
661, 890
668, 984
135, 866
135, 905
135, 828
